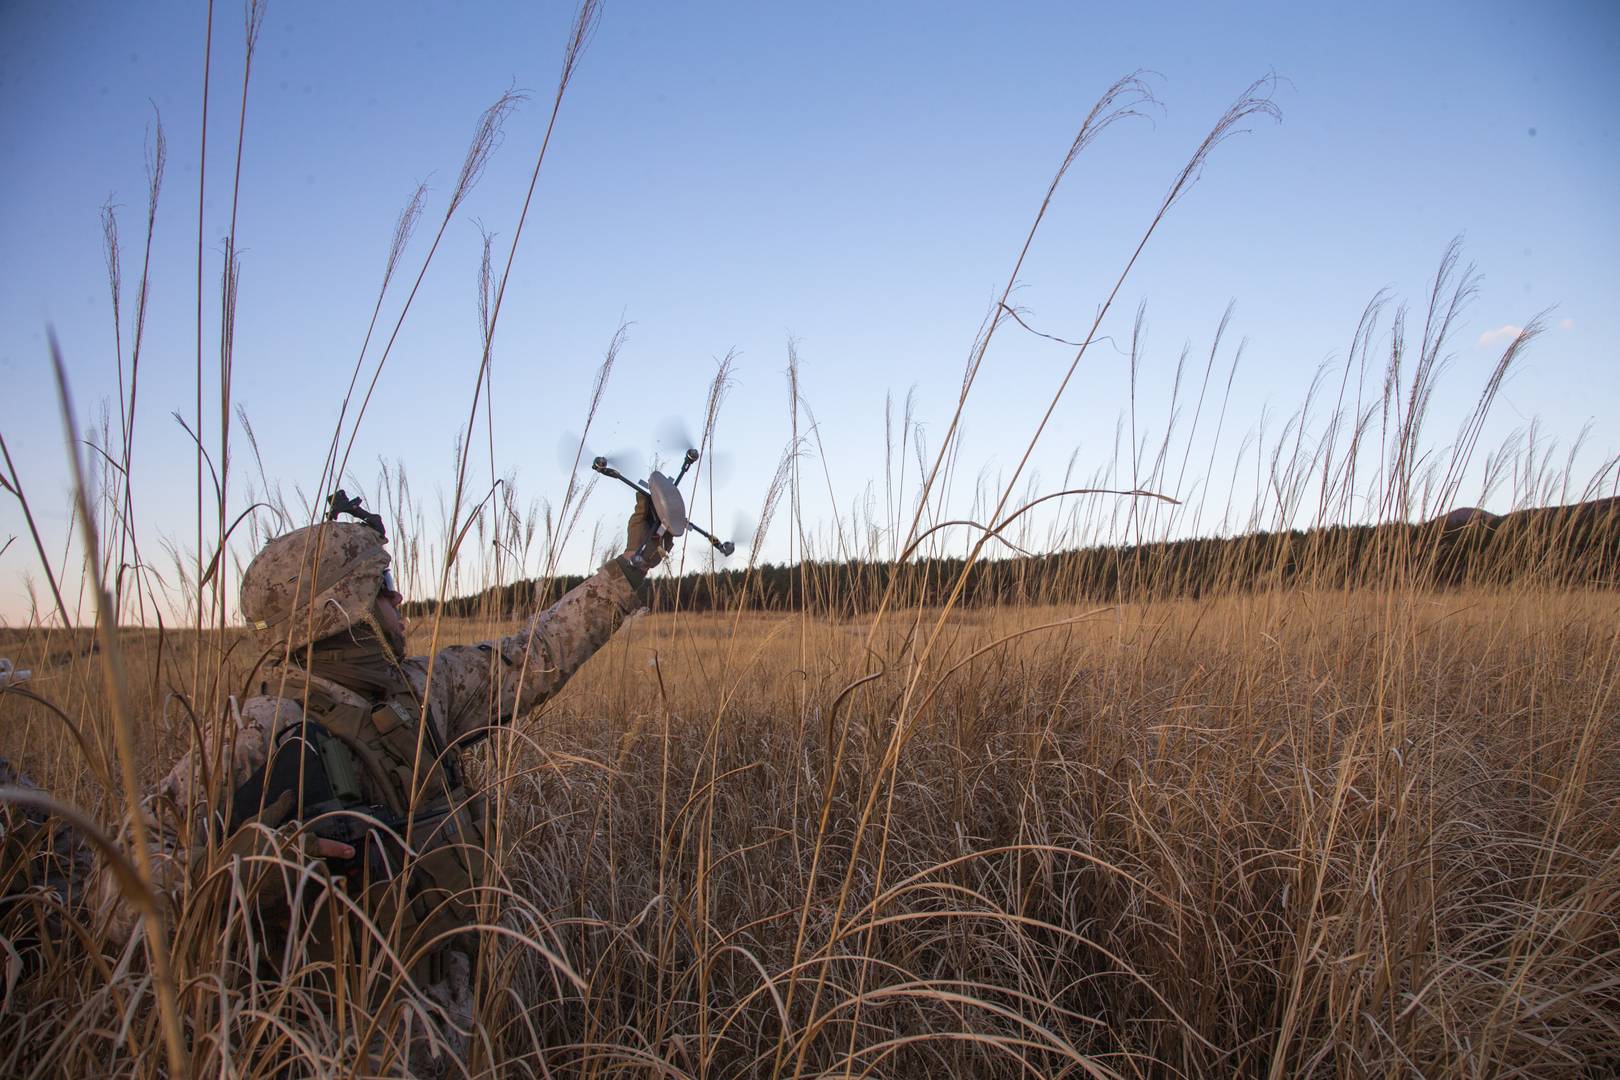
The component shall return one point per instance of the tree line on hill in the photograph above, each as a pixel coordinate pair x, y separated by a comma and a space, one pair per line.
1563, 545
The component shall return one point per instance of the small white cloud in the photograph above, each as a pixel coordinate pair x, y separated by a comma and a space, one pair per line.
1566, 324
1501, 335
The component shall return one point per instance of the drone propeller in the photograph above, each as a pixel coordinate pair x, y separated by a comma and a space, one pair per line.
573, 452
743, 529
673, 435
742, 537
675, 438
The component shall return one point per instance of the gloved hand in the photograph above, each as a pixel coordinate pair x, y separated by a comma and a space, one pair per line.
278, 815
639, 535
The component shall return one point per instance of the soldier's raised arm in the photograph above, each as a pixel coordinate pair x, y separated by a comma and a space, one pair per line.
476, 687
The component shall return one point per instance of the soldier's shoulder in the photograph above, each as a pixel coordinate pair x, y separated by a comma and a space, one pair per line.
271, 712
415, 669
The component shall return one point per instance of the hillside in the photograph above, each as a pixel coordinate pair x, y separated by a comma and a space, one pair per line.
1575, 544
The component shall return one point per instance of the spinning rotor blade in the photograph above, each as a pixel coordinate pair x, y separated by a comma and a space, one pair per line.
674, 438
741, 538
574, 454
718, 466
743, 529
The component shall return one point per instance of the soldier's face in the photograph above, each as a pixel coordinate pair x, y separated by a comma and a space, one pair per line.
390, 621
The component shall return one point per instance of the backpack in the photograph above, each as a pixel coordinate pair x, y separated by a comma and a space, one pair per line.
374, 777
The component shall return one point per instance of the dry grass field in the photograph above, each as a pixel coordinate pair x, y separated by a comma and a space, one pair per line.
1303, 833
1288, 828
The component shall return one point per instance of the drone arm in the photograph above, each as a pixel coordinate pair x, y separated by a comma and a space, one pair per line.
600, 465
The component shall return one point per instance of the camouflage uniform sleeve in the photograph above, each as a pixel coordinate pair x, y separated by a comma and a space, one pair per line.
184, 795
479, 686
260, 718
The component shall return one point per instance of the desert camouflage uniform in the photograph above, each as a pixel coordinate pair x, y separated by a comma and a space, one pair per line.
474, 687
469, 690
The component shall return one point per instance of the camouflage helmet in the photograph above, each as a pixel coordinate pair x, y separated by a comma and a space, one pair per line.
313, 582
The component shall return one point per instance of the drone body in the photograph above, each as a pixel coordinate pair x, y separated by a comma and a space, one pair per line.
668, 503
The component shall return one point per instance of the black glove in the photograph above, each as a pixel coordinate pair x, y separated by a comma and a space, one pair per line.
639, 536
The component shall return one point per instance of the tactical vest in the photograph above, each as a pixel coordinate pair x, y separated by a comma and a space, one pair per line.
376, 778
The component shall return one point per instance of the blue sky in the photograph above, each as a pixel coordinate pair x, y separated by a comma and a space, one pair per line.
725, 177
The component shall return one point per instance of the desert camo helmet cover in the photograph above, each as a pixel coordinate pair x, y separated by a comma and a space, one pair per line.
313, 582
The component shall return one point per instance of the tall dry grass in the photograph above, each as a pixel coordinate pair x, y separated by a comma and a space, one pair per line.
1313, 832
1291, 827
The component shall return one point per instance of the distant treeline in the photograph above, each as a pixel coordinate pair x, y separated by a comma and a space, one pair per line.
1567, 545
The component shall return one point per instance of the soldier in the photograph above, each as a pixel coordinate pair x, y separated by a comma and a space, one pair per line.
354, 747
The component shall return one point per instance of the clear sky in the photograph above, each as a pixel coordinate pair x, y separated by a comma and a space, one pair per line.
725, 177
